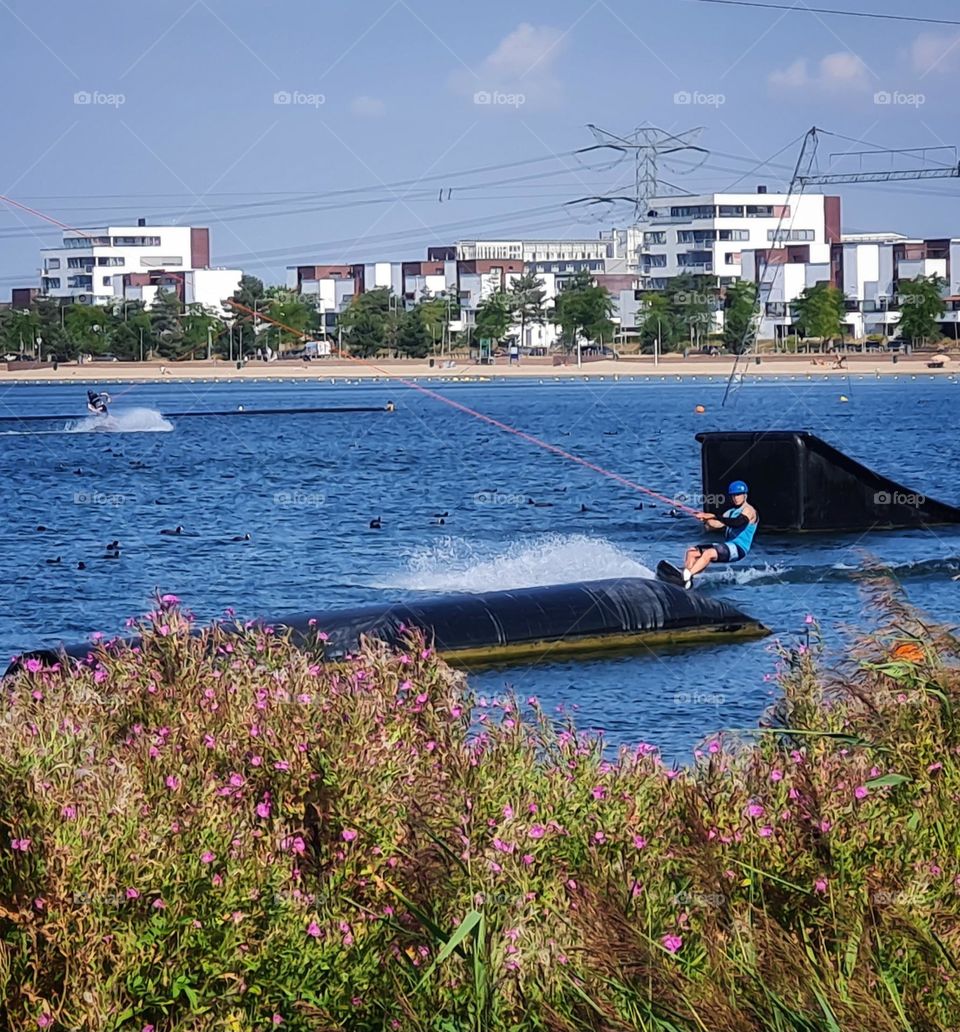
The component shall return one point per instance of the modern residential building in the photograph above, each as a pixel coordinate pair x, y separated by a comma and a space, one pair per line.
134, 262
706, 234
868, 268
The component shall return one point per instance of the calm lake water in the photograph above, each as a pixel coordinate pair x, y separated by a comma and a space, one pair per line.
305, 488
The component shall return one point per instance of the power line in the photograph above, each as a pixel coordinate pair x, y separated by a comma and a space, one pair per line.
804, 9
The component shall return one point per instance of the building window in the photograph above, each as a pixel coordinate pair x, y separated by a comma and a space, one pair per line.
51, 283
696, 236
136, 241
86, 242
731, 211
80, 263
655, 261
110, 261
107, 281
791, 236
733, 234
52, 263
695, 211
732, 258
80, 282
654, 238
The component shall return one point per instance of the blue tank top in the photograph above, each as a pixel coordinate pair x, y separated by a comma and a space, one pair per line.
743, 539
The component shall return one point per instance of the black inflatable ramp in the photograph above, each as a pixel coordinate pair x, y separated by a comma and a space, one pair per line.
558, 621
798, 482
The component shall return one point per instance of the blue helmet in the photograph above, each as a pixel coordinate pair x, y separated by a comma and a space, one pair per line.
737, 487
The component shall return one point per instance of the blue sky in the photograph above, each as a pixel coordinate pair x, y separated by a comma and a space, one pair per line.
186, 118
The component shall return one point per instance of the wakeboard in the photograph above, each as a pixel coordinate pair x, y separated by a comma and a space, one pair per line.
669, 573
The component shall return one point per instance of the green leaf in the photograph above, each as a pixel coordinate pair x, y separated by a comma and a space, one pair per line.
466, 927
887, 780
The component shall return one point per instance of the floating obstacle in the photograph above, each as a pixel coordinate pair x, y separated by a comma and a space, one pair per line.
240, 411
799, 482
560, 621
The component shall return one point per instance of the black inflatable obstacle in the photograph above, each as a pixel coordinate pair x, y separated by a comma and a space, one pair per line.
560, 620
798, 482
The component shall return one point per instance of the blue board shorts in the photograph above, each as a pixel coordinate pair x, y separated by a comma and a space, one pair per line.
726, 553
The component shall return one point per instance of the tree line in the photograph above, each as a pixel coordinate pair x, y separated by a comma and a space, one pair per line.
681, 316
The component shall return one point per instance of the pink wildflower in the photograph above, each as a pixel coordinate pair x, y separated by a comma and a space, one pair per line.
313, 930
599, 837
207, 857
132, 894
598, 791
348, 834
209, 741
776, 775
68, 812
20, 845
172, 782
672, 943
639, 842
527, 859
45, 1020
766, 831
754, 810
237, 780
861, 791
820, 885
263, 810
34, 666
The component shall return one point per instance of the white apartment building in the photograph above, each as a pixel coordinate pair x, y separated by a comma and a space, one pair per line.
100, 266
707, 234
868, 268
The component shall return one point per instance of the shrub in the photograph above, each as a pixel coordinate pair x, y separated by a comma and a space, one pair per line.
219, 832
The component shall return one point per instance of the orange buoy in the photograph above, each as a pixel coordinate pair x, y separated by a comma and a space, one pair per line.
700, 409
909, 651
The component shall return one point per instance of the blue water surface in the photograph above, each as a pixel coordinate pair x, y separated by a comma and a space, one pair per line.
305, 488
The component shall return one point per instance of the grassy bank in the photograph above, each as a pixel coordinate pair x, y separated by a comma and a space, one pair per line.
217, 833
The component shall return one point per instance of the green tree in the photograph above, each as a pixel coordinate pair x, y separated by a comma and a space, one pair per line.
921, 307
130, 324
297, 317
433, 311
739, 313
413, 335
660, 323
88, 328
166, 327
365, 322
527, 300
493, 317
819, 312
693, 301
581, 307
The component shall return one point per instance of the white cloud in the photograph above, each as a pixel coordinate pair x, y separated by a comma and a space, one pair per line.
368, 107
932, 52
521, 65
842, 69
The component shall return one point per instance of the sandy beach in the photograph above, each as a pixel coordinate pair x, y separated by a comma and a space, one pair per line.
783, 367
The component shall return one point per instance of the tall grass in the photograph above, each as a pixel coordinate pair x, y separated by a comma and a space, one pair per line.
217, 832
